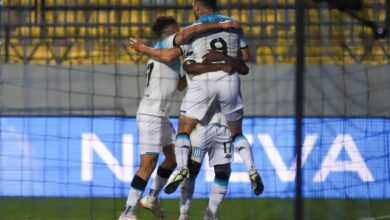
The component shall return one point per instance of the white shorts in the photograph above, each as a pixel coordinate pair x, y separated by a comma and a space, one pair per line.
201, 93
215, 140
154, 133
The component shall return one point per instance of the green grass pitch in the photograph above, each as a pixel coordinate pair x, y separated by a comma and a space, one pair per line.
237, 209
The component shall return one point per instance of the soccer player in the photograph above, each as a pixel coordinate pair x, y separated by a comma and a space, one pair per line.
156, 133
186, 123
211, 136
213, 85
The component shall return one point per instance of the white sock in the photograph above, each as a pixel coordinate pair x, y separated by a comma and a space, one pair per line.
182, 149
244, 150
158, 183
132, 200
217, 194
187, 191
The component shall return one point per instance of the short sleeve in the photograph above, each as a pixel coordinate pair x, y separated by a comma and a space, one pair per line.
189, 55
243, 41
186, 50
166, 43
184, 47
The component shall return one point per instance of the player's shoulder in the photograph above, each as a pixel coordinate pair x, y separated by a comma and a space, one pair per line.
213, 18
165, 43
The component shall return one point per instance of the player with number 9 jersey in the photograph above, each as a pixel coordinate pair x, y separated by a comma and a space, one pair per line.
202, 89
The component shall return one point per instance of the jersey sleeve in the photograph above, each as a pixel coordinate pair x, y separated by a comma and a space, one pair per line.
189, 55
243, 41
184, 47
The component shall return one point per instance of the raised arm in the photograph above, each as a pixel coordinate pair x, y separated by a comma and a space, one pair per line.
162, 55
190, 31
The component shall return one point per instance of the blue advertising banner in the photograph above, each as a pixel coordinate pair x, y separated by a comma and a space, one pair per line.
97, 157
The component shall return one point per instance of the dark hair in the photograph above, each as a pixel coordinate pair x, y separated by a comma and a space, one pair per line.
161, 23
208, 3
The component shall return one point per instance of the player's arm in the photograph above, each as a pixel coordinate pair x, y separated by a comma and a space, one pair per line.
237, 63
162, 55
182, 83
243, 52
239, 66
194, 68
245, 55
193, 30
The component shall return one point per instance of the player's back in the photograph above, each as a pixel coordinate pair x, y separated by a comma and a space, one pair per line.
226, 41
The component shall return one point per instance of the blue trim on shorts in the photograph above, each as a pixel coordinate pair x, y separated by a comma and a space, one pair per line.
220, 182
183, 136
152, 153
239, 137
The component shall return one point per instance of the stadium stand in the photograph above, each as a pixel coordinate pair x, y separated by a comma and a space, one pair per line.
83, 31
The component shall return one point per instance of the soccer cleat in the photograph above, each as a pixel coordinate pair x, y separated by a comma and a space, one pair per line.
183, 217
209, 215
128, 217
127, 214
153, 206
177, 178
256, 182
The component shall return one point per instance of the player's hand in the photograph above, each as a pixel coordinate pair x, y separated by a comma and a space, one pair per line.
136, 44
213, 56
227, 68
231, 24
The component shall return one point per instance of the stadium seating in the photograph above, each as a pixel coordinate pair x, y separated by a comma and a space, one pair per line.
270, 31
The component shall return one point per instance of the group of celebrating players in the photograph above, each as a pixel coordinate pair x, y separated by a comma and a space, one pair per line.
211, 113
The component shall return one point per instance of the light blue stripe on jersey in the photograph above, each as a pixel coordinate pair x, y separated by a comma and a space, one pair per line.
215, 18
162, 44
212, 18
165, 44
238, 138
220, 182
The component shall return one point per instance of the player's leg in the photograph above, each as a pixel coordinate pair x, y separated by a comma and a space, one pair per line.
165, 169
232, 108
240, 141
138, 184
183, 143
182, 151
244, 150
218, 190
193, 109
220, 157
150, 145
187, 190
201, 138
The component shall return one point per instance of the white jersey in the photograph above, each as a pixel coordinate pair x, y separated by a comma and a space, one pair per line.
161, 83
227, 41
